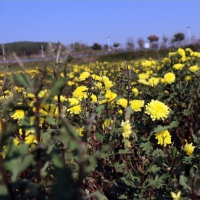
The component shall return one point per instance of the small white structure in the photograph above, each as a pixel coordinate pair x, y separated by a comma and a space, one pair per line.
146, 45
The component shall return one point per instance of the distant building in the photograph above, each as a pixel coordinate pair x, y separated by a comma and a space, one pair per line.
146, 45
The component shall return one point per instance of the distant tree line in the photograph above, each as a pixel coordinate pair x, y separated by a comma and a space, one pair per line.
34, 48
24, 48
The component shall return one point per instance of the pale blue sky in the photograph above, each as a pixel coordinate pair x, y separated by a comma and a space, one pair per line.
93, 21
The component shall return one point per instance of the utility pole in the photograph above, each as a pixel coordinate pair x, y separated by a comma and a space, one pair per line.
3, 51
188, 34
108, 44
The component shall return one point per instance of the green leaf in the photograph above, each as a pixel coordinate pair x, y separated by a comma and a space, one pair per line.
153, 169
146, 147
100, 136
24, 80
99, 109
123, 196
155, 183
18, 165
128, 112
160, 128
158, 153
187, 112
124, 151
51, 121
184, 182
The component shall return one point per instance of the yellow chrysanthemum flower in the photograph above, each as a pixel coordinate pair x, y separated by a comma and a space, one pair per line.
189, 149
188, 78
73, 101
169, 77
16, 141
30, 139
157, 110
94, 98
122, 102
143, 76
80, 131
194, 68
75, 109
110, 95
126, 129
84, 75
99, 85
62, 98
144, 82
43, 93
176, 196
178, 66
107, 83
137, 105
166, 60
108, 123
135, 91
153, 81
30, 95
18, 114
163, 138
80, 93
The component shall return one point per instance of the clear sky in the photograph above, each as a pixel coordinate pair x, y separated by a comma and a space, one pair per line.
94, 21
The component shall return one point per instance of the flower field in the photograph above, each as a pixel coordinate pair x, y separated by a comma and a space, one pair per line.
120, 130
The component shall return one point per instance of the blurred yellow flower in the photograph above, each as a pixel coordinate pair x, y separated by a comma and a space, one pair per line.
169, 77
157, 110
176, 196
189, 149
73, 101
84, 75
43, 93
194, 68
144, 82
108, 123
94, 98
188, 78
30, 139
62, 98
75, 109
137, 105
166, 60
163, 138
16, 141
80, 131
153, 81
110, 95
80, 93
143, 76
122, 102
126, 129
178, 66
18, 114
135, 91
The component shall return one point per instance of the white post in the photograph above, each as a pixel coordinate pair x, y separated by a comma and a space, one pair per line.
3, 51
42, 51
188, 34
